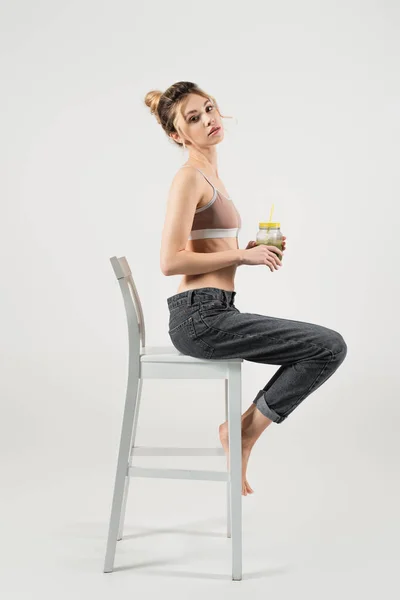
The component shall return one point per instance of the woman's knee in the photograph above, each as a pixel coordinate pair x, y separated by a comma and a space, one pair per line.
336, 342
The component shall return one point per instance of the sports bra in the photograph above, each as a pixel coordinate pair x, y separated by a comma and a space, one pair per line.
219, 218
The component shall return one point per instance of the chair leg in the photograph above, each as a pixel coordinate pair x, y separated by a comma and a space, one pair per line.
122, 465
228, 483
132, 445
123, 508
235, 464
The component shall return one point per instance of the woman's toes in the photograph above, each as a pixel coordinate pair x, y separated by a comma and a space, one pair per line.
249, 488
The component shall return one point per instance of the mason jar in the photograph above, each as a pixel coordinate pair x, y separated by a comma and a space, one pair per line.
270, 234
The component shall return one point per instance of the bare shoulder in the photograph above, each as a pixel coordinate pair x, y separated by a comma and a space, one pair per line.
186, 187
187, 176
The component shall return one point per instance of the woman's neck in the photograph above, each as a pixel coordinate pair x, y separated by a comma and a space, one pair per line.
204, 160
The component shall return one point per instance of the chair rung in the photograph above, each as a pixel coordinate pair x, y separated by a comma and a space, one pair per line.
178, 473
171, 451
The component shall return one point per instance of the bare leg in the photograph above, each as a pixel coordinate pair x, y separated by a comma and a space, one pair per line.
253, 424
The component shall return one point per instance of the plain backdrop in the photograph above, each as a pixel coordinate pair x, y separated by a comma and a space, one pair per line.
313, 89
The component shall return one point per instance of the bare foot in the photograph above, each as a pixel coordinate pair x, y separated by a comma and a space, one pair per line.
246, 449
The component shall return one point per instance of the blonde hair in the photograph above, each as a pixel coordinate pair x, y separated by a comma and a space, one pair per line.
168, 105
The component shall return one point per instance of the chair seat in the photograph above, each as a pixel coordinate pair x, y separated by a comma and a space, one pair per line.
171, 354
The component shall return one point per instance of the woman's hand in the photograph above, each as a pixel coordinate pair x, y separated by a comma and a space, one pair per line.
264, 255
252, 243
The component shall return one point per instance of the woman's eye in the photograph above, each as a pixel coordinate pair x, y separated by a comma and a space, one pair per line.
191, 120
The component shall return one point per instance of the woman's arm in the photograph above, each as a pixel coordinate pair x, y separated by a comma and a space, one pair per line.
193, 263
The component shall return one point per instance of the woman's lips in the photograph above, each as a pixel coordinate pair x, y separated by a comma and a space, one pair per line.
215, 131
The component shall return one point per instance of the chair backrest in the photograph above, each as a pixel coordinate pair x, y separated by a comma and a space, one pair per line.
133, 306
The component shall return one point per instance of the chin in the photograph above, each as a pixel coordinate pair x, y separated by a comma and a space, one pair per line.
215, 139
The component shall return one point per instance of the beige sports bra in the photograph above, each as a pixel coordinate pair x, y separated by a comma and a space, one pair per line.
219, 218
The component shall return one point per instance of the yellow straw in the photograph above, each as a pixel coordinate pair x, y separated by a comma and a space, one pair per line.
271, 213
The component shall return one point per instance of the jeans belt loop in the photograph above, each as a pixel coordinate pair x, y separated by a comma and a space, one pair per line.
189, 297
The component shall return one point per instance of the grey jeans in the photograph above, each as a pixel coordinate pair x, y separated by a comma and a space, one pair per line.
205, 323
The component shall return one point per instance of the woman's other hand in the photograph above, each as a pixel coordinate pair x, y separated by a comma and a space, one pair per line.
252, 243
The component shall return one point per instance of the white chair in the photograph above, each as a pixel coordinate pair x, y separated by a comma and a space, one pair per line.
167, 363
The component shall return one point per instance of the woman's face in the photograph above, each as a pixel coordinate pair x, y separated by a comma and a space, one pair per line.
198, 118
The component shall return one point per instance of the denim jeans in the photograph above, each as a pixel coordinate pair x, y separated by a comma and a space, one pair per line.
206, 324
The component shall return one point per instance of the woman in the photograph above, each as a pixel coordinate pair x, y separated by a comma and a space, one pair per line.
200, 242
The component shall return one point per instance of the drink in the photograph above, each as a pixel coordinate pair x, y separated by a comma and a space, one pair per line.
270, 234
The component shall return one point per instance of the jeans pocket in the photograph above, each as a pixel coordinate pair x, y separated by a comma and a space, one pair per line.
176, 328
186, 339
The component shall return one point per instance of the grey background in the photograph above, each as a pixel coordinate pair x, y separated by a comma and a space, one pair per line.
314, 91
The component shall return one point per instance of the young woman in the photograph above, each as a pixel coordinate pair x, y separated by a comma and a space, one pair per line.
200, 242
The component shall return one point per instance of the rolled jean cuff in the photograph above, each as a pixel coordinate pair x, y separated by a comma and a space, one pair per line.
265, 409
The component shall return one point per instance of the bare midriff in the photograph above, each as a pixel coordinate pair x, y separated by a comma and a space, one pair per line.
222, 278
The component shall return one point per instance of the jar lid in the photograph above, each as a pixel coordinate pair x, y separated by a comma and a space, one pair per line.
269, 224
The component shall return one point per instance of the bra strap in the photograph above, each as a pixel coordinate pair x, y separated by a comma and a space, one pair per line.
201, 173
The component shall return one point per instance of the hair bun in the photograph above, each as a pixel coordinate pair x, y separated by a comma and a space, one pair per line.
151, 100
